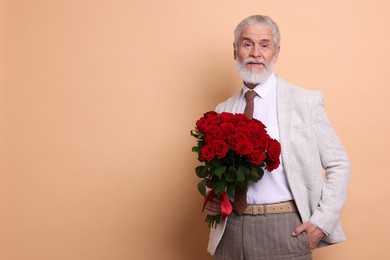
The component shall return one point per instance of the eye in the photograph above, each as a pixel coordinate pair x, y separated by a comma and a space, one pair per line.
247, 44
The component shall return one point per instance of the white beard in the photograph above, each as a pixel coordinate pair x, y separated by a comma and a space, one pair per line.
253, 77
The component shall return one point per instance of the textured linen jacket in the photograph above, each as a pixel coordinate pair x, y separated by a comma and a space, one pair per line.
309, 146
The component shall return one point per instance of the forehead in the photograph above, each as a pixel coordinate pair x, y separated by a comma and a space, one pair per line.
257, 32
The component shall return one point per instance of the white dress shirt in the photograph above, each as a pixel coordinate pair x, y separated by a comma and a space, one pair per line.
273, 187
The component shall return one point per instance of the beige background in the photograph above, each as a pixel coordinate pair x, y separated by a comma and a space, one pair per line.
97, 99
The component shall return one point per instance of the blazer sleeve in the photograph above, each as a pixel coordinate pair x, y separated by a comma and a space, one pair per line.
337, 168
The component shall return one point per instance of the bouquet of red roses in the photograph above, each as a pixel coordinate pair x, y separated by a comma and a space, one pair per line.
233, 150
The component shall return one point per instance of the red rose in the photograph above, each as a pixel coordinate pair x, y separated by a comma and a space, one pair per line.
225, 130
220, 148
201, 124
207, 153
255, 140
210, 114
210, 139
274, 150
244, 147
242, 117
256, 129
211, 132
233, 139
256, 122
243, 128
272, 165
256, 157
238, 118
264, 142
226, 117
212, 118
241, 137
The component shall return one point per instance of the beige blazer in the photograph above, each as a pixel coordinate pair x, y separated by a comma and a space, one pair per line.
309, 145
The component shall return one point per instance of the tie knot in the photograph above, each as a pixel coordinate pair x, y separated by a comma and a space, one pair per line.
250, 95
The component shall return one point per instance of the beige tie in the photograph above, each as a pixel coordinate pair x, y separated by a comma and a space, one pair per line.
240, 204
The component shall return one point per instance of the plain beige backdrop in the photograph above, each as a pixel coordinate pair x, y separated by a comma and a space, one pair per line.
97, 99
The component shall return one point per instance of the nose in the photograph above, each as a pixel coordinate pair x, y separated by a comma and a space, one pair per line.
256, 51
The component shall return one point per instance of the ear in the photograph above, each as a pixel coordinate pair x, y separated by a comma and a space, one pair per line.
276, 55
234, 52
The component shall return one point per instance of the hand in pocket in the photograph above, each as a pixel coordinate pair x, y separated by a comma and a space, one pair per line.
314, 234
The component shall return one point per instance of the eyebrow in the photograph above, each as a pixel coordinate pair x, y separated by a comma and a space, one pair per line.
249, 39
265, 40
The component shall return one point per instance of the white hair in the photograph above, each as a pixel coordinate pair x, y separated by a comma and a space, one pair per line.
258, 19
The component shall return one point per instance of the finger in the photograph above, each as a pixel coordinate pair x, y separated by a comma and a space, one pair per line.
211, 210
215, 199
315, 235
213, 206
298, 230
215, 203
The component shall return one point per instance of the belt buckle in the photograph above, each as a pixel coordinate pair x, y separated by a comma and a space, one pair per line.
265, 210
252, 209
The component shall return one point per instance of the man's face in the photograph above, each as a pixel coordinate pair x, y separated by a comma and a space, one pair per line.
255, 53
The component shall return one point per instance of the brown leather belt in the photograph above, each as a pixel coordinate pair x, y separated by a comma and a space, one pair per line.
283, 207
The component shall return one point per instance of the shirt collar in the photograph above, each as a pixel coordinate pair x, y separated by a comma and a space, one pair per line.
263, 89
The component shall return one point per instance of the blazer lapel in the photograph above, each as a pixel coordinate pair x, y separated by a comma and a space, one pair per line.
284, 108
232, 102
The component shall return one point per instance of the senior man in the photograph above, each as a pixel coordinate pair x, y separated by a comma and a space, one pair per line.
295, 208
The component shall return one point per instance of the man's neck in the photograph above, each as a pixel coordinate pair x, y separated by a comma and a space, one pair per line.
250, 85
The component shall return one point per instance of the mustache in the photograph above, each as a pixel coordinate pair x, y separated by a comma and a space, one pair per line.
254, 60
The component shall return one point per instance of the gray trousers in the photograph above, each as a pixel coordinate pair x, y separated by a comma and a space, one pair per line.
260, 237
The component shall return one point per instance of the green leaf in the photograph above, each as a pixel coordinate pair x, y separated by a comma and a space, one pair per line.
197, 134
201, 171
220, 188
196, 149
232, 169
256, 173
241, 174
230, 176
261, 173
232, 173
219, 171
214, 182
216, 163
230, 189
202, 187
262, 165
